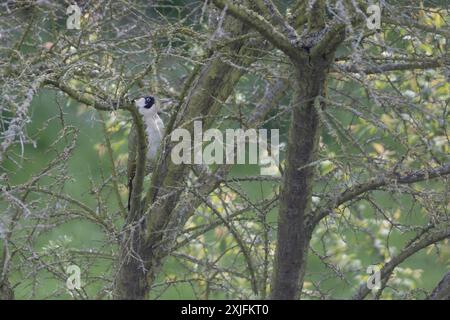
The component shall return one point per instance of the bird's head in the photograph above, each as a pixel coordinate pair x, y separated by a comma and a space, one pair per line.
146, 105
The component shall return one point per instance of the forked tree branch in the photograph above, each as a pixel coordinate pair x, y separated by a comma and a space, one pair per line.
378, 182
409, 250
259, 23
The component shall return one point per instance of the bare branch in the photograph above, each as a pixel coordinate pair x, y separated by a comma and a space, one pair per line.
408, 251
378, 182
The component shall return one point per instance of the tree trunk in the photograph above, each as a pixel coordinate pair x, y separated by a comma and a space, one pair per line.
295, 199
442, 290
131, 282
6, 293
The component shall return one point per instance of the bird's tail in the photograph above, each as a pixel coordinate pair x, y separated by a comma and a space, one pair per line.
130, 190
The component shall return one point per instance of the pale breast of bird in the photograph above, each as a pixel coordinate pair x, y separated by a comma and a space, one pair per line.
155, 131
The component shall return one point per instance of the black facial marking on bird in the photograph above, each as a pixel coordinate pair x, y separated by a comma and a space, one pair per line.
149, 102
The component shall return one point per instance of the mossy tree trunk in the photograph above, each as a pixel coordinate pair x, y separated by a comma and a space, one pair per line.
294, 231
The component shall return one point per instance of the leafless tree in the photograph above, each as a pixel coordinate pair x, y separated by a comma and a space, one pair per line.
366, 144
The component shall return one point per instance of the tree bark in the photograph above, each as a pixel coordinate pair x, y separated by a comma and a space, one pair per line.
442, 290
131, 282
294, 233
6, 293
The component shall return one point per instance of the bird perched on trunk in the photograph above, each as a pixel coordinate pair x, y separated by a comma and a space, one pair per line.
154, 129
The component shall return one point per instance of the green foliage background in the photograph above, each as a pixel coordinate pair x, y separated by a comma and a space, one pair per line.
89, 165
